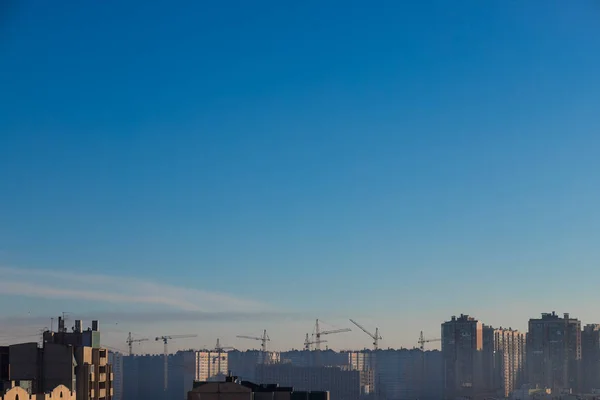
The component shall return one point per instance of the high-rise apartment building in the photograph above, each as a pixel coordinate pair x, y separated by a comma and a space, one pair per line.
554, 352
590, 358
503, 360
115, 359
462, 345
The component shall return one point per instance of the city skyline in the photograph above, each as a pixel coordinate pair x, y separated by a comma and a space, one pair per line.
234, 169
205, 338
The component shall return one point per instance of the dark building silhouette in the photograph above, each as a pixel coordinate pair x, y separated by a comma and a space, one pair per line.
462, 345
234, 389
554, 352
590, 358
343, 383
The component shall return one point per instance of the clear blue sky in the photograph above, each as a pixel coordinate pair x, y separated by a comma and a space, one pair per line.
337, 158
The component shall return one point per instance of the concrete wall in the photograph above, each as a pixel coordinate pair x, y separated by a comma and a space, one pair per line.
58, 367
24, 361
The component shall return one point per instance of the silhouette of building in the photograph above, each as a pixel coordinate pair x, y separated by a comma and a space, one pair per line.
554, 352
590, 358
462, 345
503, 360
234, 389
342, 383
5, 383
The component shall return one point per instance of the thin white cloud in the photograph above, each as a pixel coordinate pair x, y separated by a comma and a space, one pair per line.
118, 289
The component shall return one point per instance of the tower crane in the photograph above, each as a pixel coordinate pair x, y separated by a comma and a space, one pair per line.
264, 339
131, 341
422, 341
219, 349
263, 343
165, 339
376, 337
307, 342
319, 333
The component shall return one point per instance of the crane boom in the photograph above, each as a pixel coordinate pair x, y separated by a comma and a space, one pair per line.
376, 337
263, 345
308, 342
319, 333
336, 331
422, 341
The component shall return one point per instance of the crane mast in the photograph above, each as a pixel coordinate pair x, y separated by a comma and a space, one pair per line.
219, 349
264, 339
422, 341
131, 341
165, 339
319, 333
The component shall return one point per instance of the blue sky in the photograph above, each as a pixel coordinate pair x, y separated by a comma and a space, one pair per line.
398, 161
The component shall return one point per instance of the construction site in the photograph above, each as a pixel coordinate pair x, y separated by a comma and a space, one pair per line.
374, 373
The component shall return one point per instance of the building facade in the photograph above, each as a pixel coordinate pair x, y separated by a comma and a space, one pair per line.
503, 360
590, 358
93, 373
115, 359
554, 352
462, 345
243, 363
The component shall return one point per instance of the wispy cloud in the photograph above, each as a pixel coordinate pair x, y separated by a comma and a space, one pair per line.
120, 290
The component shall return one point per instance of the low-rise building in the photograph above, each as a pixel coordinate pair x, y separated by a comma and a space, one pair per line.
234, 389
342, 383
60, 392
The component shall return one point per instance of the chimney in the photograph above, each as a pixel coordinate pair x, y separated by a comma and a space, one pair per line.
77, 326
95, 325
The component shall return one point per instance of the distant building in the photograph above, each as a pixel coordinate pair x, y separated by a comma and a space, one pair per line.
462, 345
342, 383
143, 375
243, 363
314, 358
116, 361
554, 352
233, 389
503, 360
590, 358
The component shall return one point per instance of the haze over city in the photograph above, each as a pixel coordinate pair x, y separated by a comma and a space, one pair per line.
220, 169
